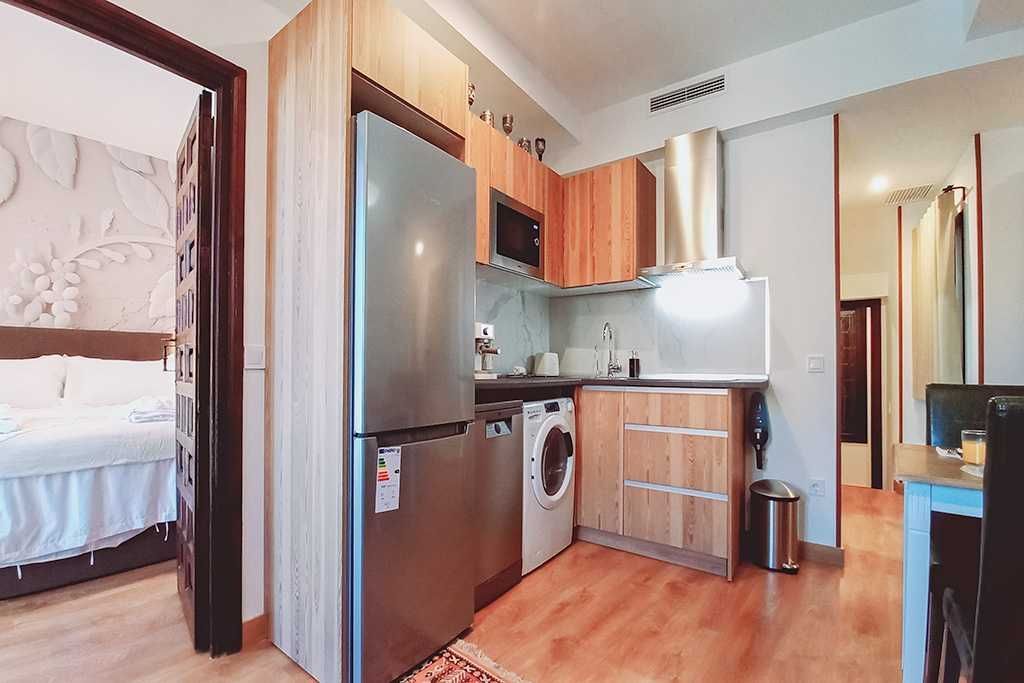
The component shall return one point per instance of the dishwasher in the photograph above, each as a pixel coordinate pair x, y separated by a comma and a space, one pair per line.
496, 442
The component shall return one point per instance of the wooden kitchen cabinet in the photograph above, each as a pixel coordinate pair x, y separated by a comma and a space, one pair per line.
515, 172
685, 522
578, 265
391, 50
610, 223
599, 465
554, 228
680, 458
478, 156
501, 161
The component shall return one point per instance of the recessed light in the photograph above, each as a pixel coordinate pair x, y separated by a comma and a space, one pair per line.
879, 183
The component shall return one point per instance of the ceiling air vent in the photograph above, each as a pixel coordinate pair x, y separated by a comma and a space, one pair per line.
687, 94
909, 195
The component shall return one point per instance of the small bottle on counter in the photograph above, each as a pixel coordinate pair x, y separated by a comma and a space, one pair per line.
634, 365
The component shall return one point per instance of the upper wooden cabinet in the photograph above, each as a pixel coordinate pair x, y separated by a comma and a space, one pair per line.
610, 223
515, 172
478, 156
554, 229
578, 199
500, 164
394, 52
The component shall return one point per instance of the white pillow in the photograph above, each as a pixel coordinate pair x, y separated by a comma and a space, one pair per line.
96, 382
32, 382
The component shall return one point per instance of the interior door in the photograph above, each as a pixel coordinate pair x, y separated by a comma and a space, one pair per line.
853, 373
193, 231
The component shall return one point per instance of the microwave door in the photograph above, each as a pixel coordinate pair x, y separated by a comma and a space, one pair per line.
517, 236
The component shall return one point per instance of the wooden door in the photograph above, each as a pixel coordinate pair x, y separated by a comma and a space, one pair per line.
193, 231
578, 266
600, 426
853, 373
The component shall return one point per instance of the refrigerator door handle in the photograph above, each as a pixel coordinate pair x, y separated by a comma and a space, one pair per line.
423, 435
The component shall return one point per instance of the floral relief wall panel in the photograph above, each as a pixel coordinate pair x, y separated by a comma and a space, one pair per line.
86, 233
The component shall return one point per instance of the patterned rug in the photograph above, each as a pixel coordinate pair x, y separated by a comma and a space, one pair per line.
461, 662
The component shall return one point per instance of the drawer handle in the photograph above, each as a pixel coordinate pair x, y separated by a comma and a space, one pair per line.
691, 431
695, 493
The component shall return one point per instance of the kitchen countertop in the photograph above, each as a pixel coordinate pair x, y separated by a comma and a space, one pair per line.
923, 464
681, 380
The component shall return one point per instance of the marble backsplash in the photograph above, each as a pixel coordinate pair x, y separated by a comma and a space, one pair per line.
687, 325
521, 319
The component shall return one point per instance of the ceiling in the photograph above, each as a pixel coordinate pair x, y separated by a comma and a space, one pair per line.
617, 52
218, 22
914, 134
56, 77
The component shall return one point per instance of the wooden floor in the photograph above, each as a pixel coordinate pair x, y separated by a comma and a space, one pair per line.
127, 627
591, 614
594, 614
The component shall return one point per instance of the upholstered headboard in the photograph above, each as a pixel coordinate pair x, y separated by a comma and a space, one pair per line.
29, 342
950, 408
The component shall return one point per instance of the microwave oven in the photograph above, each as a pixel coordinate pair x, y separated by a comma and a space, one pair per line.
517, 236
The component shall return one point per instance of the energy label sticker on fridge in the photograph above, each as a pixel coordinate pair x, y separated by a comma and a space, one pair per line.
389, 466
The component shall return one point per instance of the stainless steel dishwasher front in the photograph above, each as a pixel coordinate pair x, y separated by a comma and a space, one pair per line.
496, 443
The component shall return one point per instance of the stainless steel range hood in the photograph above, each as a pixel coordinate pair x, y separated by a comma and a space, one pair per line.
694, 236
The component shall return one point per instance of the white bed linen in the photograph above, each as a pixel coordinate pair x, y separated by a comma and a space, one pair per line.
70, 438
79, 479
52, 516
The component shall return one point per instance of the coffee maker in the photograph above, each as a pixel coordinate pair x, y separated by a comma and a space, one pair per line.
485, 349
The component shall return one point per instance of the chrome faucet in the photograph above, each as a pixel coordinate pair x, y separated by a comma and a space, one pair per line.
614, 367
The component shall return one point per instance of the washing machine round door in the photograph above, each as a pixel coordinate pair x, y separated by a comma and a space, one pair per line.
552, 463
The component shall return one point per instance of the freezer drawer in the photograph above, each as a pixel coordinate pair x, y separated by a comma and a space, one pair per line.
413, 566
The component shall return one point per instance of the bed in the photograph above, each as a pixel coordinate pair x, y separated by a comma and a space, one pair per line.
84, 492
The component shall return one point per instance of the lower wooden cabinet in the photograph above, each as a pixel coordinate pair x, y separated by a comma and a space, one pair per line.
599, 472
675, 519
675, 457
662, 472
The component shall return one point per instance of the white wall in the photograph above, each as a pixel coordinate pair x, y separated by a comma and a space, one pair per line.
1002, 168
918, 40
780, 225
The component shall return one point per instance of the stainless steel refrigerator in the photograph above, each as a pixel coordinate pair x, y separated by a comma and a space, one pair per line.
413, 298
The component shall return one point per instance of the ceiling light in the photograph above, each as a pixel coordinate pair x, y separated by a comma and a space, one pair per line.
879, 183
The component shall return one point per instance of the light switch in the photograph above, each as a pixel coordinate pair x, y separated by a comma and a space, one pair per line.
255, 357
815, 363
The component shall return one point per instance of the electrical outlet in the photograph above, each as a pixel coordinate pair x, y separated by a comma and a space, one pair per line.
817, 487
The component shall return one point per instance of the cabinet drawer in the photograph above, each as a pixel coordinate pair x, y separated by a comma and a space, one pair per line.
693, 408
689, 522
678, 457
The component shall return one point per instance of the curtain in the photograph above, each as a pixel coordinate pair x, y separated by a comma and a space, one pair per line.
937, 305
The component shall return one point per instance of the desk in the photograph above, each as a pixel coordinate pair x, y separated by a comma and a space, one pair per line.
932, 484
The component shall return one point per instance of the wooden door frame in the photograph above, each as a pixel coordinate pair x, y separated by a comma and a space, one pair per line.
125, 31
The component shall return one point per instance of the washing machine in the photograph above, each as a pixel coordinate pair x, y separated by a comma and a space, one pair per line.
549, 471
